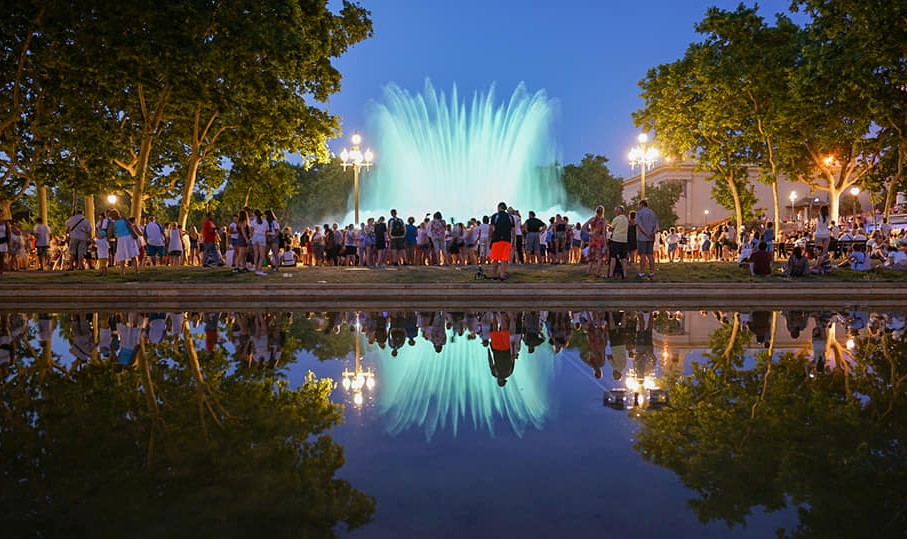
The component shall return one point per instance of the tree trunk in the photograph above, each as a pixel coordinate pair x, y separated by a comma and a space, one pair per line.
42, 203
834, 204
6, 208
776, 202
90, 212
189, 187
138, 191
738, 207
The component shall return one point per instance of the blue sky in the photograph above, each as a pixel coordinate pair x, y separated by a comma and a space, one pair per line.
587, 55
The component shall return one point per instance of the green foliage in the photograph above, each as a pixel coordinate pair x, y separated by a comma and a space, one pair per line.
662, 199
590, 183
117, 97
323, 193
104, 453
770, 436
268, 185
746, 195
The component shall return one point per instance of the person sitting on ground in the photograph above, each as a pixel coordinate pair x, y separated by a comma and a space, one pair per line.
822, 264
797, 265
897, 257
858, 258
288, 259
761, 261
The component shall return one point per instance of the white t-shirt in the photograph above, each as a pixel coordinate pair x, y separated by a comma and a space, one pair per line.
897, 258
822, 228
176, 240
259, 228
155, 234
42, 235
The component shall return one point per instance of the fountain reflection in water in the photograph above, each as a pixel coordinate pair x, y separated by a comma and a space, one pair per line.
440, 391
439, 152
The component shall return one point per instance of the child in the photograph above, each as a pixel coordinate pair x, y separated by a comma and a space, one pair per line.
103, 248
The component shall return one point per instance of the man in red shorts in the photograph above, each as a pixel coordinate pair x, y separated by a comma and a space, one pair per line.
501, 230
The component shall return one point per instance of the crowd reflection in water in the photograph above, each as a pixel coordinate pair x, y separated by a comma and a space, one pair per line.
616, 342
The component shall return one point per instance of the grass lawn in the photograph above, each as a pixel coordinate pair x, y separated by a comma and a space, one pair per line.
688, 272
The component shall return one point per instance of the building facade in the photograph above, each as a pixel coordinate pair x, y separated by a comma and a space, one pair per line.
696, 207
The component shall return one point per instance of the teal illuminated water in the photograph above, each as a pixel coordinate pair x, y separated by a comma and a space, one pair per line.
439, 151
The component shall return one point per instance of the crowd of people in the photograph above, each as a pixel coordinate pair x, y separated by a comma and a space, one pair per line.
253, 240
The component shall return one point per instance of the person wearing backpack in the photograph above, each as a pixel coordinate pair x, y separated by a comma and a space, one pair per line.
397, 234
503, 235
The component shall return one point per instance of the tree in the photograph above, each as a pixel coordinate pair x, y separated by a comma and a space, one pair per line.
696, 112
769, 436
662, 199
186, 83
754, 60
869, 38
221, 454
323, 193
590, 183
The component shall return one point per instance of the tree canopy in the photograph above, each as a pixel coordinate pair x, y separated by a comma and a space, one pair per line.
139, 99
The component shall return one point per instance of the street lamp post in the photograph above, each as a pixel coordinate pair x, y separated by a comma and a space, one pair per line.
793, 198
644, 157
854, 191
706, 219
358, 160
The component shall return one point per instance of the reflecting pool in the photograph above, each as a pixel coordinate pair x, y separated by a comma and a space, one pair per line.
649, 423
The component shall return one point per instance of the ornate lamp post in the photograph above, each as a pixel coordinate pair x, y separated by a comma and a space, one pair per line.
358, 160
644, 157
854, 191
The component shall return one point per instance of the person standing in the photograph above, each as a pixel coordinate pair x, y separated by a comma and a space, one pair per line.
210, 254
533, 227
646, 228
42, 243
380, 242
436, 229
620, 226
126, 234
154, 241
517, 256
397, 230
595, 228
79, 230
502, 233
822, 235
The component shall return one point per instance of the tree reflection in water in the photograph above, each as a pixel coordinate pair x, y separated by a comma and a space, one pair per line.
175, 439
781, 432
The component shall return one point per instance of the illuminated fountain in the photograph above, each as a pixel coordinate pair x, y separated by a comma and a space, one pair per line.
462, 157
422, 389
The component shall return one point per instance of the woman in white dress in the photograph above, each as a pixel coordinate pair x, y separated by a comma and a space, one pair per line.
126, 233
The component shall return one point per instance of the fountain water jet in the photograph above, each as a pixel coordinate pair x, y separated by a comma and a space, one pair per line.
439, 153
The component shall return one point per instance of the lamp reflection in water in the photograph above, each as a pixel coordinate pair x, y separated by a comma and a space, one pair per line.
642, 389
359, 382
446, 390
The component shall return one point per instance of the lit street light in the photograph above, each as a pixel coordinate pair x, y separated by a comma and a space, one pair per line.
356, 159
793, 198
706, 220
644, 157
111, 199
854, 191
